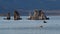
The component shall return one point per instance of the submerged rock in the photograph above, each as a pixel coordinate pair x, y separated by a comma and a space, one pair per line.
45, 22
41, 26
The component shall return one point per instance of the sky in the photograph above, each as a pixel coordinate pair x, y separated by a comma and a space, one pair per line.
10, 5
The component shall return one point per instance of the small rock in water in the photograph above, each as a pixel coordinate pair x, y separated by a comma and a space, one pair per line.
45, 22
41, 26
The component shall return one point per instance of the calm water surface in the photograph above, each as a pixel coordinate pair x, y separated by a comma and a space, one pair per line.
30, 26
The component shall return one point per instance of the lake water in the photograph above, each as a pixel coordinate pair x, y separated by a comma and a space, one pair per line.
25, 26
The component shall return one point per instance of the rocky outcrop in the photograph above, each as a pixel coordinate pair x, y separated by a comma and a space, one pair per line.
16, 15
8, 16
38, 15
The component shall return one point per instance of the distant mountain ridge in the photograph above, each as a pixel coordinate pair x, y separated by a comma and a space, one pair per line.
24, 12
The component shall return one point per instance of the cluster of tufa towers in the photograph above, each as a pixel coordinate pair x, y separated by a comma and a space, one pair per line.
37, 15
